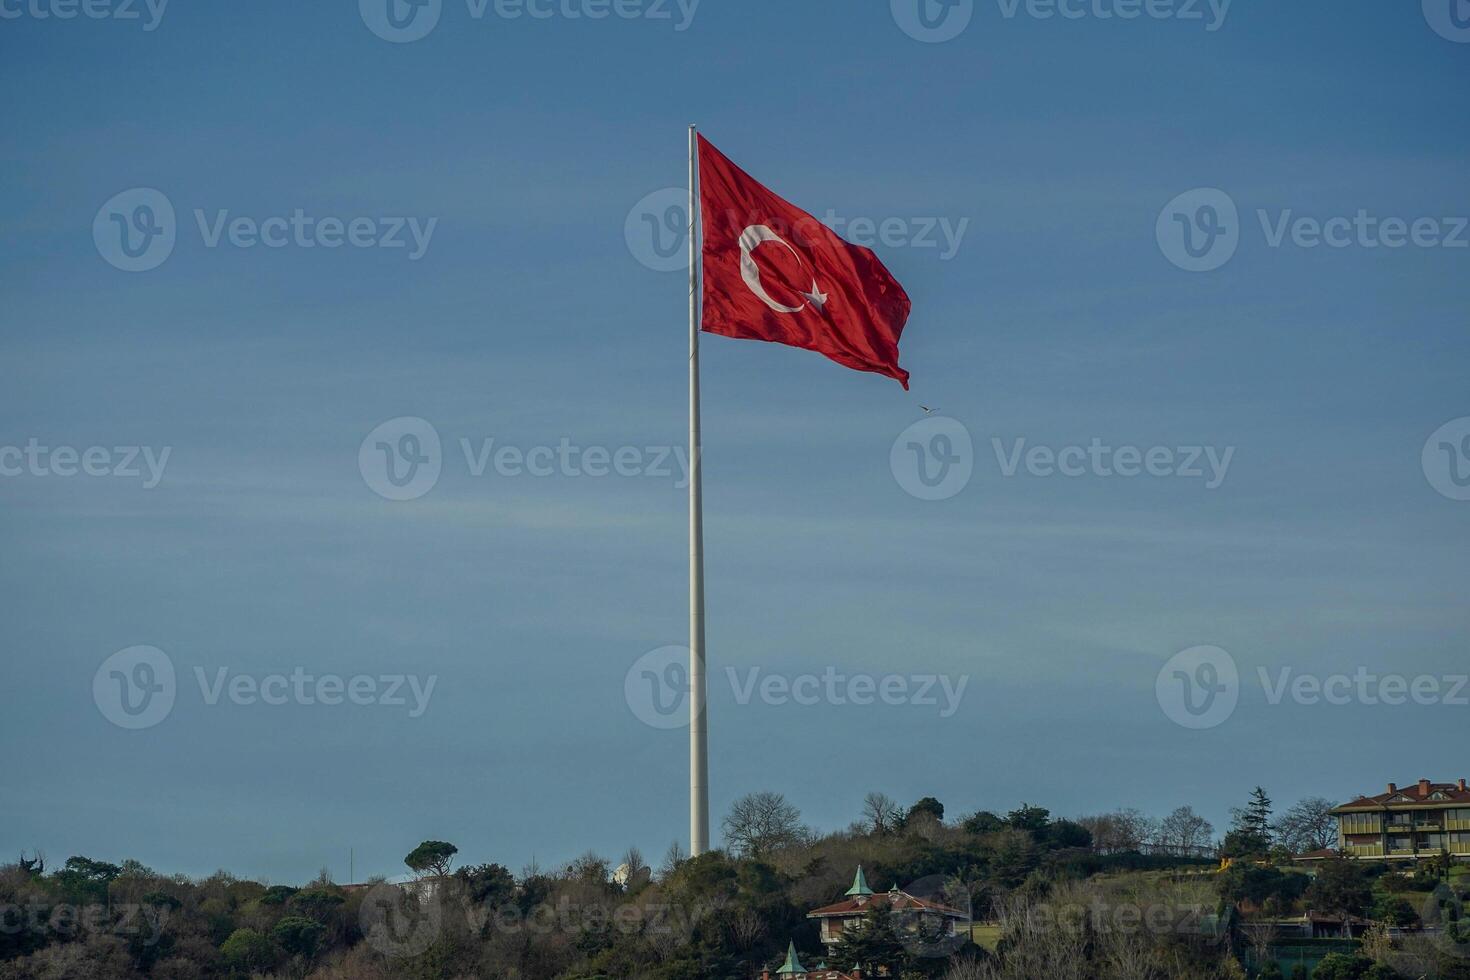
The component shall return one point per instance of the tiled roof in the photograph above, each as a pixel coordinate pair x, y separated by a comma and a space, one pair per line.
1411, 795
895, 901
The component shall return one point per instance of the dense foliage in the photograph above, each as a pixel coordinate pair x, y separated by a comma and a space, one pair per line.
1056, 898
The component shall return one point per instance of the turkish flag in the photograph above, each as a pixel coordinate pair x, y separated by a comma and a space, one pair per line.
773, 272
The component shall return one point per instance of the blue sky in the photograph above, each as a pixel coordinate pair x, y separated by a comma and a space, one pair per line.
528, 320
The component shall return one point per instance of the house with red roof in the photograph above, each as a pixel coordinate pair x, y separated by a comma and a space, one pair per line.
911, 914
793, 970
1410, 823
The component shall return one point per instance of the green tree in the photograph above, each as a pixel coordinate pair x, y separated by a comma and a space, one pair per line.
1341, 887
84, 881
928, 805
1250, 831
870, 945
1013, 856
248, 951
299, 935
278, 895
317, 904
1394, 910
1028, 817
1342, 966
1260, 885
433, 857
487, 884
1066, 833
982, 822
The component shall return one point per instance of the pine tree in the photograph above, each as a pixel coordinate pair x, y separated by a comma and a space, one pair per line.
870, 945
1250, 831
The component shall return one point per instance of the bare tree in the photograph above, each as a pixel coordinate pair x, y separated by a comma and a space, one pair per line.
1186, 830
1262, 937
673, 857
1309, 825
632, 871
881, 813
1121, 830
761, 822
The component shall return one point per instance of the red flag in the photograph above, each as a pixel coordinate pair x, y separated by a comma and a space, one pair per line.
773, 272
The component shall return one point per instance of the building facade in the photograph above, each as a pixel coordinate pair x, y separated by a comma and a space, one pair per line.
1407, 823
909, 914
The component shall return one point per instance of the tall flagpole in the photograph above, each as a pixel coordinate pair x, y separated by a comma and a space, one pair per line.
698, 721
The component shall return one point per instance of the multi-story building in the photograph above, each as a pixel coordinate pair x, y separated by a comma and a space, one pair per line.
1412, 823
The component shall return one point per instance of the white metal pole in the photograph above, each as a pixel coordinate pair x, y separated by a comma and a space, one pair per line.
698, 721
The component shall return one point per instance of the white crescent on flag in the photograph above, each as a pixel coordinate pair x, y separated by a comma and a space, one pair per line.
754, 236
